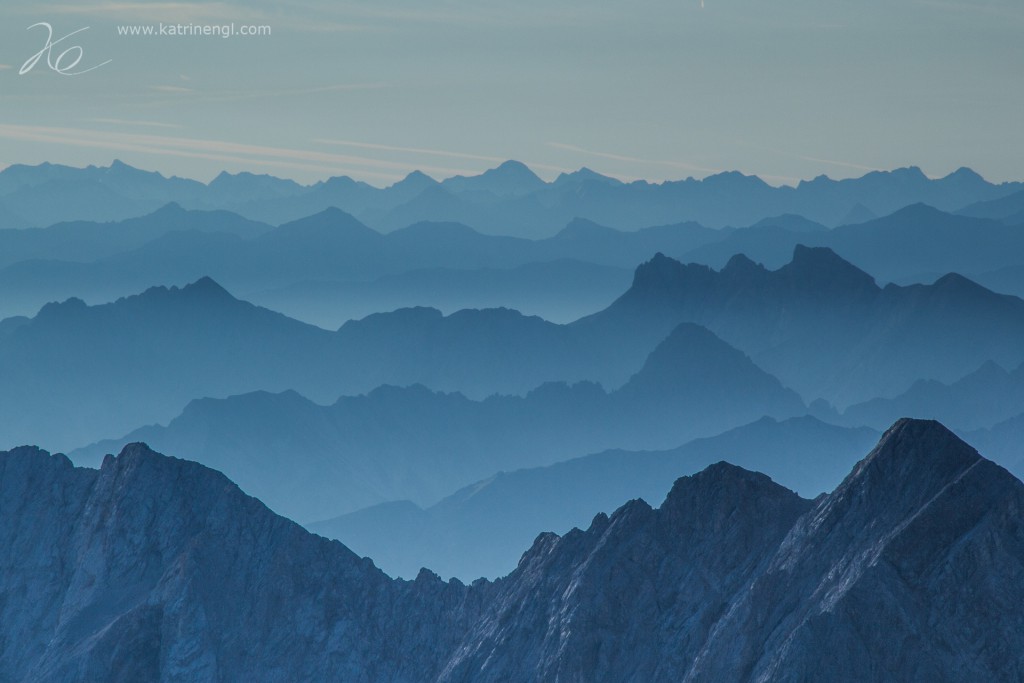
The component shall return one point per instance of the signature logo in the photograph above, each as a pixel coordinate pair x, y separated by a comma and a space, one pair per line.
64, 62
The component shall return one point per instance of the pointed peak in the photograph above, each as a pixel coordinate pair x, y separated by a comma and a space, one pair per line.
741, 263
858, 214
172, 208
510, 178
956, 281
330, 219
918, 210
965, 173
954, 286
416, 179
206, 287
688, 355
515, 172
912, 454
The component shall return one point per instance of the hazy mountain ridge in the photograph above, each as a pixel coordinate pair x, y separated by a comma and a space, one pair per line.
820, 325
102, 261
915, 244
509, 199
481, 529
823, 326
311, 462
978, 400
77, 373
732, 578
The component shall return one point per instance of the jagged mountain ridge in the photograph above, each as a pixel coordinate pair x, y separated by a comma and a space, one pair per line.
154, 568
509, 199
917, 243
822, 325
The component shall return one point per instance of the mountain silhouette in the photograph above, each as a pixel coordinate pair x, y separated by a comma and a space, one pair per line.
102, 262
980, 399
821, 325
509, 199
310, 462
915, 244
155, 568
481, 529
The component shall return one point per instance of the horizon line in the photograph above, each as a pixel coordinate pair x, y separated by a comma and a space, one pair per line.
4, 167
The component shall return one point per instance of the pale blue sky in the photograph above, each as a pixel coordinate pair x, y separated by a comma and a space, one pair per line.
787, 89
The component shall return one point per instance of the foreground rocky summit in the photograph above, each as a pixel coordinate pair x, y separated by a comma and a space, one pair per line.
154, 568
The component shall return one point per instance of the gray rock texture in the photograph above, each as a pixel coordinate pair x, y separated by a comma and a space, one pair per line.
158, 569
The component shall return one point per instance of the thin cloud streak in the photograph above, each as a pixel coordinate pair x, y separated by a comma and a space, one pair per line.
243, 95
389, 170
153, 11
123, 122
170, 88
246, 161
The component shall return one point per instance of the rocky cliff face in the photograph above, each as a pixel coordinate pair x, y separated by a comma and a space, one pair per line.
154, 568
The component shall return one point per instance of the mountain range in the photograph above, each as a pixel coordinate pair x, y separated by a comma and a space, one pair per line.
821, 325
824, 328
987, 396
309, 462
329, 267
508, 200
481, 529
76, 373
329, 253
912, 245
153, 568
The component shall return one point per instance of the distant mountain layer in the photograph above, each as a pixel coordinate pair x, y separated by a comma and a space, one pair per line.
823, 326
330, 253
153, 568
330, 267
1008, 208
507, 200
560, 291
311, 462
482, 529
915, 244
981, 399
76, 373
